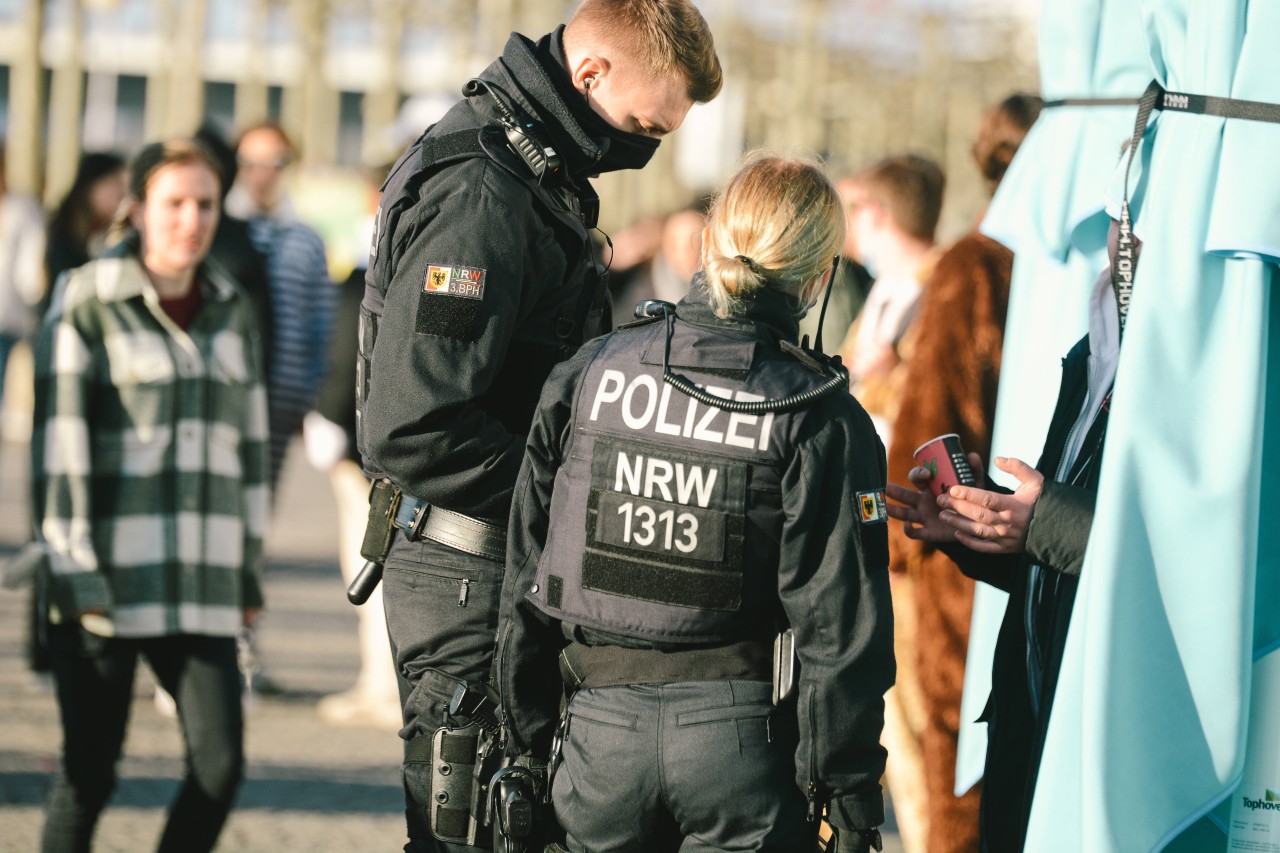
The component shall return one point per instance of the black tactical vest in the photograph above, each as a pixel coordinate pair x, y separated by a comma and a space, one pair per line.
667, 513
569, 313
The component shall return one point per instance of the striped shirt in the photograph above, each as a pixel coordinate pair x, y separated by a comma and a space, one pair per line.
149, 454
302, 305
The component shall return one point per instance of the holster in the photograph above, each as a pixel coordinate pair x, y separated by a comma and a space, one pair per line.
454, 770
384, 499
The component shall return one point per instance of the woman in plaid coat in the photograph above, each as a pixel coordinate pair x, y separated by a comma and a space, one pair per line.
149, 462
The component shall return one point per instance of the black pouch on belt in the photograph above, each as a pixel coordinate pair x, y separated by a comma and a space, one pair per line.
384, 498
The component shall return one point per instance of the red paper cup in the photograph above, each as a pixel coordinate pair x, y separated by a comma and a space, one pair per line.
945, 458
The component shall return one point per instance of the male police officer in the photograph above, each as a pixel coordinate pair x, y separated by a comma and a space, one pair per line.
482, 277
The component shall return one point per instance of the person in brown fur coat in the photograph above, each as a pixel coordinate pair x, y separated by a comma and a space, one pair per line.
950, 386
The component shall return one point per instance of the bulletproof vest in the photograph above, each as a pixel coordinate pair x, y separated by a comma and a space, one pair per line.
569, 312
667, 512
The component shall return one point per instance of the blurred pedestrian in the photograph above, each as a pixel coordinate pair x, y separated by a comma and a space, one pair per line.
149, 459
776, 521
301, 300
950, 387
78, 227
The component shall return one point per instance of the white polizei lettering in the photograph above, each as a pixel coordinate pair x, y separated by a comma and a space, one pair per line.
662, 426
702, 432
658, 473
693, 479
632, 474
609, 390
737, 419
688, 418
765, 426
628, 417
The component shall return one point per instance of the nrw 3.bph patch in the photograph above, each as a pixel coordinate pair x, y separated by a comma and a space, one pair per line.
872, 507
467, 282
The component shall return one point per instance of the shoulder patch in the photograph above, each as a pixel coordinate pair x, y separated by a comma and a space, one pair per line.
467, 282
872, 507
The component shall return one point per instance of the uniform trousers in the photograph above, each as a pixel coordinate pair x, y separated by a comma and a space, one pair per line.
442, 619
94, 678
691, 767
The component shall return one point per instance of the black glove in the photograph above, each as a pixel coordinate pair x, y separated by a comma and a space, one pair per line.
855, 841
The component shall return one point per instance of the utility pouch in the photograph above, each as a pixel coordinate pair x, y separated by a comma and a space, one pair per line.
384, 499
784, 666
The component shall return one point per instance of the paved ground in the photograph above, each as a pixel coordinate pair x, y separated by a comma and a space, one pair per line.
311, 786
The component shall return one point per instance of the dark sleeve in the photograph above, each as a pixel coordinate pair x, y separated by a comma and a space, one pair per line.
529, 642
834, 584
436, 353
994, 569
1060, 526
337, 401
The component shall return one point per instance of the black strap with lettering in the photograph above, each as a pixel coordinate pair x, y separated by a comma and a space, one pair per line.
1157, 98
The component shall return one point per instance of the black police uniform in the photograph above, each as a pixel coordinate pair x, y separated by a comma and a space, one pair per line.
657, 545
481, 278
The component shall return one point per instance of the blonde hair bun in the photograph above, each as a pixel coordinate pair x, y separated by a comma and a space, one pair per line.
777, 224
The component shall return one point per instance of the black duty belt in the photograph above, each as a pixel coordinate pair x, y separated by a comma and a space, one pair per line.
611, 666
419, 520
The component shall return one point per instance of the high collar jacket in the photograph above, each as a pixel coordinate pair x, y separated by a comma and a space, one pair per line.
481, 279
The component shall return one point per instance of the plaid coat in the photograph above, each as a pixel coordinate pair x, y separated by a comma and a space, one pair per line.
149, 455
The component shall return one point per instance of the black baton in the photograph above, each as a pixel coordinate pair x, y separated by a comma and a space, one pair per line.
365, 583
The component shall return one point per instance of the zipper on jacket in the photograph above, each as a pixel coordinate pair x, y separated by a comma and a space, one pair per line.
464, 592
811, 791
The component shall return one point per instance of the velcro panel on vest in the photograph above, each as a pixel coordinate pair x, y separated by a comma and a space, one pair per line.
611, 666
446, 316
642, 544
555, 591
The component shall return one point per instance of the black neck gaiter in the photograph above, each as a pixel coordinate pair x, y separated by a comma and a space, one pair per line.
621, 150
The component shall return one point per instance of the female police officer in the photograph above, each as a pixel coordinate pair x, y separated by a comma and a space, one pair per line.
694, 484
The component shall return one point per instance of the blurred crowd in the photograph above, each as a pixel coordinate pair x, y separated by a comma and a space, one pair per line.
918, 324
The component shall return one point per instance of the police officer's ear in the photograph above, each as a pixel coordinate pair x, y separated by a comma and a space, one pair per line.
587, 71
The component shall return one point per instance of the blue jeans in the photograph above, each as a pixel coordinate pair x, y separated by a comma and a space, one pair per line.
94, 678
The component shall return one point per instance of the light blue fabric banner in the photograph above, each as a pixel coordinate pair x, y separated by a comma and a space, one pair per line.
1177, 594
1048, 210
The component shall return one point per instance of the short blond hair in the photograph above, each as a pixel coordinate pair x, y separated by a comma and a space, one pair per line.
777, 224
667, 36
